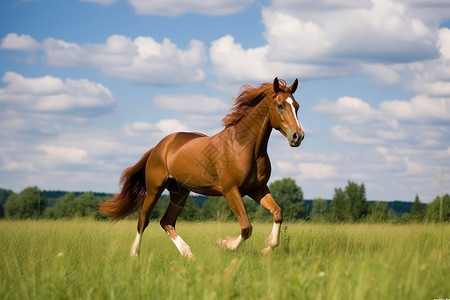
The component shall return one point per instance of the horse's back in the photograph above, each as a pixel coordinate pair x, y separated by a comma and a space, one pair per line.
179, 139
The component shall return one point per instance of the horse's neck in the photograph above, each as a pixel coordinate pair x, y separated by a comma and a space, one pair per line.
254, 129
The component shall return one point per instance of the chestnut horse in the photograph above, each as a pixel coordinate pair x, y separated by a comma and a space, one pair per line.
233, 163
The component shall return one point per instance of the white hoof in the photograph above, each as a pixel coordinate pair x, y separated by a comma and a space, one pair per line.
230, 243
266, 250
184, 248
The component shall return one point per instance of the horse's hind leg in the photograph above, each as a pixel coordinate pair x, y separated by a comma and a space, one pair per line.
178, 196
151, 199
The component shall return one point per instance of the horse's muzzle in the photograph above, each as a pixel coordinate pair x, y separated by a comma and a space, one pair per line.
296, 139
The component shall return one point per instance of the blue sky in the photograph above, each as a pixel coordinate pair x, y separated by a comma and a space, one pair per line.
88, 86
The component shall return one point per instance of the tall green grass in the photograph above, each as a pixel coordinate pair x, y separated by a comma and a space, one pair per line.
84, 259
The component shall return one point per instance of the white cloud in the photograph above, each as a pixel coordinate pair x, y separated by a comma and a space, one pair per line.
421, 121
378, 31
419, 109
49, 94
432, 77
319, 39
62, 154
234, 64
292, 39
142, 60
316, 171
22, 42
354, 135
383, 75
180, 7
198, 104
434, 11
168, 126
158, 130
443, 43
348, 109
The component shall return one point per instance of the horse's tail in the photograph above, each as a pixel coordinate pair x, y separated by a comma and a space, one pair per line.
132, 195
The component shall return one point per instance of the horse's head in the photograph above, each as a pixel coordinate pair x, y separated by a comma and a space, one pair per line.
283, 112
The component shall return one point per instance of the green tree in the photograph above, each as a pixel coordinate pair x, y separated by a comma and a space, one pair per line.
356, 201
439, 209
4, 195
28, 204
160, 208
417, 211
349, 204
217, 208
289, 196
256, 212
64, 207
191, 211
338, 206
86, 205
378, 212
70, 206
319, 212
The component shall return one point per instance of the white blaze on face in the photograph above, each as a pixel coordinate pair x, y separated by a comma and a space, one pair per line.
291, 103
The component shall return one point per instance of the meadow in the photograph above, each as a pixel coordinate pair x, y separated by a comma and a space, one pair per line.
86, 259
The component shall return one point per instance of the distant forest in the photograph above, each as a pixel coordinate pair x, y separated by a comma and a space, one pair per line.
348, 205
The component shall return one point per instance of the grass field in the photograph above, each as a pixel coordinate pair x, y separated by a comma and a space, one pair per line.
85, 259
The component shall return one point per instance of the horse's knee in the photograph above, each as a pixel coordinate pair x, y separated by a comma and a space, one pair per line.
278, 216
246, 231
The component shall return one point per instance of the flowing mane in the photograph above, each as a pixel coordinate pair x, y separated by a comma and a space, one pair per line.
248, 98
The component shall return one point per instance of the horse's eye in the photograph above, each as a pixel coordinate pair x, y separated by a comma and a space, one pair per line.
280, 106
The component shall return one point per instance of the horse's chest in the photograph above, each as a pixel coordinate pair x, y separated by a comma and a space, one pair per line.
258, 172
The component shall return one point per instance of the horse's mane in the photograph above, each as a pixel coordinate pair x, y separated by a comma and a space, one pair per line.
248, 98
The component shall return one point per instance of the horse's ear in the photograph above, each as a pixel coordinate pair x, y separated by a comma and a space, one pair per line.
276, 86
293, 87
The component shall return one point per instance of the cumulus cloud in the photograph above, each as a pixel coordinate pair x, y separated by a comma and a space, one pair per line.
198, 104
419, 109
443, 43
382, 75
63, 155
422, 121
378, 30
316, 171
354, 135
158, 130
348, 109
234, 64
432, 77
317, 39
22, 42
292, 39
180, 7
142, 60
53, 95
434, 11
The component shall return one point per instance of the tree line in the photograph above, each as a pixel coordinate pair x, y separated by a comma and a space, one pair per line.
349, 204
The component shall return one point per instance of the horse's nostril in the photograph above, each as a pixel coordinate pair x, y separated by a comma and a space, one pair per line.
295, 136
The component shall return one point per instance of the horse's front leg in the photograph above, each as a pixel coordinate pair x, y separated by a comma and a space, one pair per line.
234, 199
265, 199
